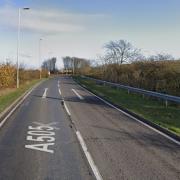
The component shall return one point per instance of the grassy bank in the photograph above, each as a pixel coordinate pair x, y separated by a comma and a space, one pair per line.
7, 96
147, 108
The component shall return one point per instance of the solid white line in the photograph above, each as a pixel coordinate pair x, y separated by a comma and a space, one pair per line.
59, 91
88, 156
79, 96
67, 110
45, 93
132, 117
10, 113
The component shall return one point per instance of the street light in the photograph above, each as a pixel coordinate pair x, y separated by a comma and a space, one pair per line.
18, 39
40, 57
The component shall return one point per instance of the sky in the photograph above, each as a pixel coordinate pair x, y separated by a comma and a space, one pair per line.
82, 27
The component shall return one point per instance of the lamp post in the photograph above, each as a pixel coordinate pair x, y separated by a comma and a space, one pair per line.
40, 57
18, 39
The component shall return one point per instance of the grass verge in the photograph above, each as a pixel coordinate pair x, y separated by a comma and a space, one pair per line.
8, 96
146, 107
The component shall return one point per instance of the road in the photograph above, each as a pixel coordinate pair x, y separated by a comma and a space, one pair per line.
41, 114
39, 141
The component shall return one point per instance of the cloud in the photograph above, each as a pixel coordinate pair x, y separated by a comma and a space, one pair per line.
46, 21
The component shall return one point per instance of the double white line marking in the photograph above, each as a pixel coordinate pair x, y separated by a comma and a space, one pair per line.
78, 95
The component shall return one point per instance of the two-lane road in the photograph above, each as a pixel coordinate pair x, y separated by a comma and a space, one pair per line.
38, 142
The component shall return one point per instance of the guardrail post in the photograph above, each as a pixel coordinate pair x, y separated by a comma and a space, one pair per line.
128, 91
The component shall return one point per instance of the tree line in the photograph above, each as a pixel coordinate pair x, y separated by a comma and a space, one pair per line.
123, 63
50, 65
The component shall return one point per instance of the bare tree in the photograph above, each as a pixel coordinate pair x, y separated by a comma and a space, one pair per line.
50, 65
160, 57
75, 63
120, 52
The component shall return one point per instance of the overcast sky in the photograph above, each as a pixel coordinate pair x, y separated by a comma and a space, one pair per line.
81, 27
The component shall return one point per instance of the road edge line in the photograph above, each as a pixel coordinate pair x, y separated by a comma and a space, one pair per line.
10, 109
132, 117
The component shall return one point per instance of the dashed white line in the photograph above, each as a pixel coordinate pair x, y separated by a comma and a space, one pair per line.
58, 84
78, 95
45, 93
89, 157
60, 91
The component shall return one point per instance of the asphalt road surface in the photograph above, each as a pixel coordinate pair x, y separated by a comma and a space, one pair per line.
39, 142
56, 157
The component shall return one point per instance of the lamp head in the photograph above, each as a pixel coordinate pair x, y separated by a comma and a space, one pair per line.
26, 8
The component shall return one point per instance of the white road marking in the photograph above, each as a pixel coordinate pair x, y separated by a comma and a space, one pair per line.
59, 91
45, 93
43, 135
10, 113
58, 84
132, 117
52, 124
41, 147
67, 110
89, 157
79, 96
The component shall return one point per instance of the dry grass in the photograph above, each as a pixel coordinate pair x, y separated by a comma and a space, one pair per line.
5, 91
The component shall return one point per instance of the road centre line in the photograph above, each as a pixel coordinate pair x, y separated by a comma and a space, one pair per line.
132, 117
79, 96
45, 93
67, 110
89, 157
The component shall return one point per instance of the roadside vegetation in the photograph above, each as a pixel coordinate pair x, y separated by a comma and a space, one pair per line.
8, 96
153, 110
159, 76
8, 91
123, 63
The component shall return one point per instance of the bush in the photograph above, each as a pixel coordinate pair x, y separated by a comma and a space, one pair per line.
160, 76
8, 74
